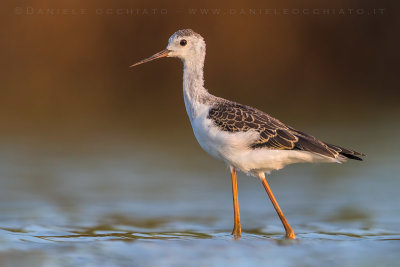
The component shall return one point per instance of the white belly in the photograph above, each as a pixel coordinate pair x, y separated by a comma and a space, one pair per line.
235, 150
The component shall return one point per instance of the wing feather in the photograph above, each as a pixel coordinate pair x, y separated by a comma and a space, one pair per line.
234, 117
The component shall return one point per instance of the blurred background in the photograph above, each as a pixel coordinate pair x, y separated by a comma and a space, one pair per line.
89, 145
69, 72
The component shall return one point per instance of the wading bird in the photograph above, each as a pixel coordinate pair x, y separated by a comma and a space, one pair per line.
245, 138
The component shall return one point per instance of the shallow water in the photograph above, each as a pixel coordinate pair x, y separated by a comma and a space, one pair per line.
118, 203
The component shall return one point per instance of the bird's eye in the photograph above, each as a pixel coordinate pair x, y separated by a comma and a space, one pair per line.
183, 42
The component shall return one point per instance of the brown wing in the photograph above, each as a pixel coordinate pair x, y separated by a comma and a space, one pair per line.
234, 117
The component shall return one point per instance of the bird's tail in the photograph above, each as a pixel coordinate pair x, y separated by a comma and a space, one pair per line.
347, 153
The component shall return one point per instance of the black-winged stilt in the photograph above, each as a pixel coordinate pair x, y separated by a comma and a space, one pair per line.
245, 138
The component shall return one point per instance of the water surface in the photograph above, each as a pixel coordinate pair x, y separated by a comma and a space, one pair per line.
129, 202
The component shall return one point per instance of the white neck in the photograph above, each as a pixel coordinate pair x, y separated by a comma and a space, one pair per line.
194, 92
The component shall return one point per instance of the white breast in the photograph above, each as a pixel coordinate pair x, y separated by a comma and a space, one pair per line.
234, 148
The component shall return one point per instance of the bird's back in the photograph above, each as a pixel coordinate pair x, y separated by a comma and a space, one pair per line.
231, 117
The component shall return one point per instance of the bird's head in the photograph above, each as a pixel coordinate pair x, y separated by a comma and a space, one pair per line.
184, 44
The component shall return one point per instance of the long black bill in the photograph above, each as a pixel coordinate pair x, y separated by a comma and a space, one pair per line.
160, 54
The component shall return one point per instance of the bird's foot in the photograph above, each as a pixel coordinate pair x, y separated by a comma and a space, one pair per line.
290, 235
237, 232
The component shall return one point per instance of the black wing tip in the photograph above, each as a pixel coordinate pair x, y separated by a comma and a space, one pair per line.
350, 156
348, 153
